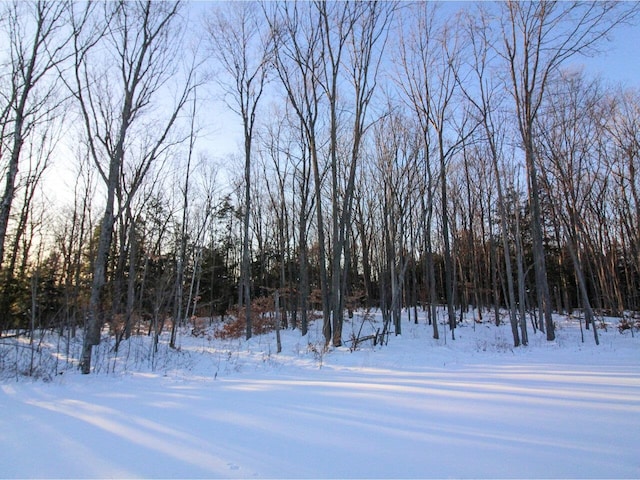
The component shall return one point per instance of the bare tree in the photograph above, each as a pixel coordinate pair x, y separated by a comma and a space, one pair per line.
416, 48
359, 31
623, 129
429, 66
304, 201
538, 38
319, 48
485, 102
30, 88
568, 133
297, 49
181, 256
242, 46
397, 176
73, 241
118, 79
279, 148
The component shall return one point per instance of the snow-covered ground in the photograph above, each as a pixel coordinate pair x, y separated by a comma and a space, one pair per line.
415, 408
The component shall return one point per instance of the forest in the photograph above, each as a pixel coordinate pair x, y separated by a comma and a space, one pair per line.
405, 157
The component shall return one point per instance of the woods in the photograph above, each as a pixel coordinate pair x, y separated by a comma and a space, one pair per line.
396, 156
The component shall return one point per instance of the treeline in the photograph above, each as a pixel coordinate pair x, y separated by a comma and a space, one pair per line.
393, 155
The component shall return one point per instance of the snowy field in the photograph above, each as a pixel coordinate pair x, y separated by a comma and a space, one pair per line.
416, 408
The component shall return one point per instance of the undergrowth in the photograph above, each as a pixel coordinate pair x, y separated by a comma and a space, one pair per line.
217, 348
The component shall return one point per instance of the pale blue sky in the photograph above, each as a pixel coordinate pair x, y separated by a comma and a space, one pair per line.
620, 63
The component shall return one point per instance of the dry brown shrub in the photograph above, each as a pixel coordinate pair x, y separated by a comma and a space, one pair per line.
315, 299
116, 323
263, 320
629, 323
199, 325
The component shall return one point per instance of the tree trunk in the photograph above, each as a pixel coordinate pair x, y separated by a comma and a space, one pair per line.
448, 261
94, 321
540, 267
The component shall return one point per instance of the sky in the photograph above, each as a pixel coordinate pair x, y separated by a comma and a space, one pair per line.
619, 64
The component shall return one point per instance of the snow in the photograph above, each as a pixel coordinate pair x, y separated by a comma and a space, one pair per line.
415, 408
